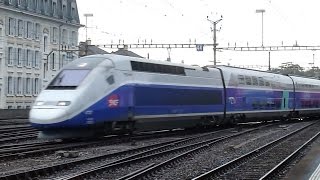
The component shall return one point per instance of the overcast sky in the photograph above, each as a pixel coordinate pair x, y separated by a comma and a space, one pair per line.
179, 21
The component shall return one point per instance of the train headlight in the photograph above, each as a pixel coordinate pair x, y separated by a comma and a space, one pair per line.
63, 103
39, 103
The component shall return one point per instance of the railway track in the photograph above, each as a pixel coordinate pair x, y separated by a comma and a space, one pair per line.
8, 134
116, 159
142, 162
13, 121
24, 150
10, 128
266, 161
127, 158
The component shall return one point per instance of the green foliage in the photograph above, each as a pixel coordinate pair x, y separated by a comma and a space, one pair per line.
296, 69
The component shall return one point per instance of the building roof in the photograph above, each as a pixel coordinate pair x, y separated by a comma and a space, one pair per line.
88, 49
61, 10
125, 52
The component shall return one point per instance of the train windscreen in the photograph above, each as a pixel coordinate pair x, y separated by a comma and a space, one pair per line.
68, 79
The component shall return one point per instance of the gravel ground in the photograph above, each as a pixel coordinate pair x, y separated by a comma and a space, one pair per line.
196, 165
54, 158
13, 121
137, 144
219, 155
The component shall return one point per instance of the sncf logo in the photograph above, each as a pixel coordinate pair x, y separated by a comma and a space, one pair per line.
113, 101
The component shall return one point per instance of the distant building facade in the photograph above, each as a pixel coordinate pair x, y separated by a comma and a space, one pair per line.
34, 35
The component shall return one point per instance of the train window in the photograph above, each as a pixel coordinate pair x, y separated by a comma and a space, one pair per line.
254, 81
273, 84
267, 83
241, 79
248, 80
110, 79
157, 68
180, 70
261, 81
134, 65
68, 79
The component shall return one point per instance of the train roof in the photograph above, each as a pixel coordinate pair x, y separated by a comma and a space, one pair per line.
245, 71
121, 61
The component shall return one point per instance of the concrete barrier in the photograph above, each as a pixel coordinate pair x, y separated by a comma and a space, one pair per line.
14, 113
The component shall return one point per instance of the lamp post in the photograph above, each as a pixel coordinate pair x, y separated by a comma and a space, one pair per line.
87, 15
214, 30
312, 64
59, 48
261, 11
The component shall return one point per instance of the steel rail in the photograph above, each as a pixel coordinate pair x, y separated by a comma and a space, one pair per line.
231, 164
286, 161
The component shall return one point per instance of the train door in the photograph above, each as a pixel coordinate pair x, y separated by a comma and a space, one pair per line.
285, 100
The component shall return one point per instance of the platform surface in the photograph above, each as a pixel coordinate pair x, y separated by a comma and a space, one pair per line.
308, 168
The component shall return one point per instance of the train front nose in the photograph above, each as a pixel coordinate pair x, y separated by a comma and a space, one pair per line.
43, 116
47, 114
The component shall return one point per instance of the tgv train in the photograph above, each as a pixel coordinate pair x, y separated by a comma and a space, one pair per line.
100, 94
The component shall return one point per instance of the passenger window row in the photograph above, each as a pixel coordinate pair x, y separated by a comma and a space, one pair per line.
307, 86
252, 80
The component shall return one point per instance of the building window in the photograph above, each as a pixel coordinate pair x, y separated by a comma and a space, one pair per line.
54, 34
73, 12
35, 3
28, 86
11, 26
19, 57
19, 86
10, 85
29, 58
19, 2
64, 36
45, 5
64, 10
37, 31
74, 38
20, 28
53, 61
29, 30
29, 4
10, 56
36, 86
54, 8
37, 58
45, 42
